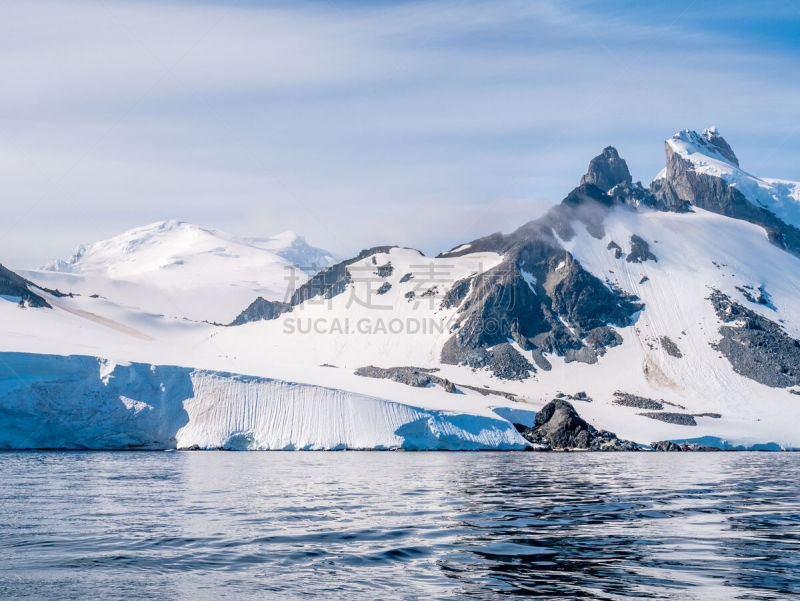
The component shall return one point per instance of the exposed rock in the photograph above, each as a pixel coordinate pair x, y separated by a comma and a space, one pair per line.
503, 361
670, 347
567, 311
410, 295
631, 400
406, 277
13, 285
261, 309
665, 445
681, 419
640, 251
633, 195
334, 280
715, 139
327, 284
485, 391
418, 377
384, 288
669, 446
457, 293
684, 187
559, 427
578, 396
384, 271
606, 170
755, 346
644, 279
762, 299
618, 254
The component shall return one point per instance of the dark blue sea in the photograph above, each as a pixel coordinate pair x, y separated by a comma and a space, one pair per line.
385, 525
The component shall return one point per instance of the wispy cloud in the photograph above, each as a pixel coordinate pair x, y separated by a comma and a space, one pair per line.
412, 123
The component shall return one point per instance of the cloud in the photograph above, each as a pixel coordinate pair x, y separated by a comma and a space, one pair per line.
412, 123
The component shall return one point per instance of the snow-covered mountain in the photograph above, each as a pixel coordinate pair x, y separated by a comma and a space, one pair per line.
185, 270
663, 313
708, 153
702, 170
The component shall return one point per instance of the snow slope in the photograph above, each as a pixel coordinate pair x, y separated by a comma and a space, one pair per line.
185, 270
697, 253
781, 197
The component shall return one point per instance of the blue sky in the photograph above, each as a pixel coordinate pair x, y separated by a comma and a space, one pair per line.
359, 123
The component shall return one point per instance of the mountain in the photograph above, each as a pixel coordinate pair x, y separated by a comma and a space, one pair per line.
661, 313
670, 310
703, 171
181, 269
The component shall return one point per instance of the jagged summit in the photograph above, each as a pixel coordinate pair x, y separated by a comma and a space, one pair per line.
702, 170
607, 170
708, 143
712, 135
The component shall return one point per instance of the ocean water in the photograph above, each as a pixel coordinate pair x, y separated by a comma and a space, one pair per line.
351, 525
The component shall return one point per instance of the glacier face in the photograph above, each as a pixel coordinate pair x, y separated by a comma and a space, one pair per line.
85, 402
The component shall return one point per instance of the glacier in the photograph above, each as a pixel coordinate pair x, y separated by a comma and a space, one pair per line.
87, 402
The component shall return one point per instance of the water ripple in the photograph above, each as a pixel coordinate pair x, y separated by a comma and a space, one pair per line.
198, 526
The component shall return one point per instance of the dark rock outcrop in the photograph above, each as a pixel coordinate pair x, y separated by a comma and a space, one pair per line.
631, 400
261, 309
559, 427
606, 170
681, 419
419, 377
326, 284
718, 143
503, 360
540, 296
616, 248
457, 293
16, 286
755, 346
750, 294
334, 280
670, 347
384, 271
672, 447
578, 396
640, 251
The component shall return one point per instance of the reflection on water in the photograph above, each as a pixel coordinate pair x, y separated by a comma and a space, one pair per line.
213, 525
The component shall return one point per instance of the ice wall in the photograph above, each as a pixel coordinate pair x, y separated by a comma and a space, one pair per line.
81, 402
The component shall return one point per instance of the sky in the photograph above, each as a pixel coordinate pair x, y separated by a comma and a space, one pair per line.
424, 124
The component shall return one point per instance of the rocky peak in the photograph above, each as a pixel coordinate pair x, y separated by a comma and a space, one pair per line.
710, 143
713, 137
703, 171
606, 170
